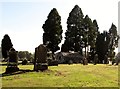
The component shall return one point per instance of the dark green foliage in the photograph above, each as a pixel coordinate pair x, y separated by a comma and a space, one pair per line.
102, 45
73, 34
113, 43
113, 30
99, 46
88, 26
29, 56
6, 45
93, 47
95, 25
64, 48
81, 32
94, 33
90, 34
52, 35
106, 43
25, 54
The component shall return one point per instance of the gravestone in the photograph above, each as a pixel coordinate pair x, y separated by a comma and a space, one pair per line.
85, 61
12, 64
40, 60
95, 59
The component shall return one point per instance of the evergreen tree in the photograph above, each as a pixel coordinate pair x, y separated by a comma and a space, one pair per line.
113, 41
6, 45
74, 30
102, 45
52, 35
93, 46
106, 46
89, 34
95, 25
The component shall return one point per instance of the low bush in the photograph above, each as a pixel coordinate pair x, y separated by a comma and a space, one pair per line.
24, 62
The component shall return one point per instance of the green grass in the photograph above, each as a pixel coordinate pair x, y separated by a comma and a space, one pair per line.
75, 75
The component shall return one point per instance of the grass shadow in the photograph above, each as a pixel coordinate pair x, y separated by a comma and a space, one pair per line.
3, 64
21, 71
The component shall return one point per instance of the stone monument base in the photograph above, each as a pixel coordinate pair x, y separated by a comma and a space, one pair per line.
41, 66
11, 69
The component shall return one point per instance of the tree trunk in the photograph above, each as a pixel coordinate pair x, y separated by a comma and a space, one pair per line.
85, 52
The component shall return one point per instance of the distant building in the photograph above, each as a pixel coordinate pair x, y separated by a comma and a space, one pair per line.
66, 57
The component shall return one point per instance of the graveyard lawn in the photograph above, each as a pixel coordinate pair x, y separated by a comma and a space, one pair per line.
75, 75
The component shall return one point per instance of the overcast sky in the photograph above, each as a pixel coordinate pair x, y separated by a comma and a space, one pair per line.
22, 20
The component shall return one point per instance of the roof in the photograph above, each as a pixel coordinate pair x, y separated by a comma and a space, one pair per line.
69, 54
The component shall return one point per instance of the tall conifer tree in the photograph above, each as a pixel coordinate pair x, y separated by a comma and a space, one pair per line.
52, 35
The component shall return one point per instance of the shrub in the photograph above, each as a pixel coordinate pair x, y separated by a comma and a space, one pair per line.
24, 62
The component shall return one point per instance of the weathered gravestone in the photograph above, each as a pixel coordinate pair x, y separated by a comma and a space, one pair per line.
40, 60
12, 65
85, 61
95, 59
